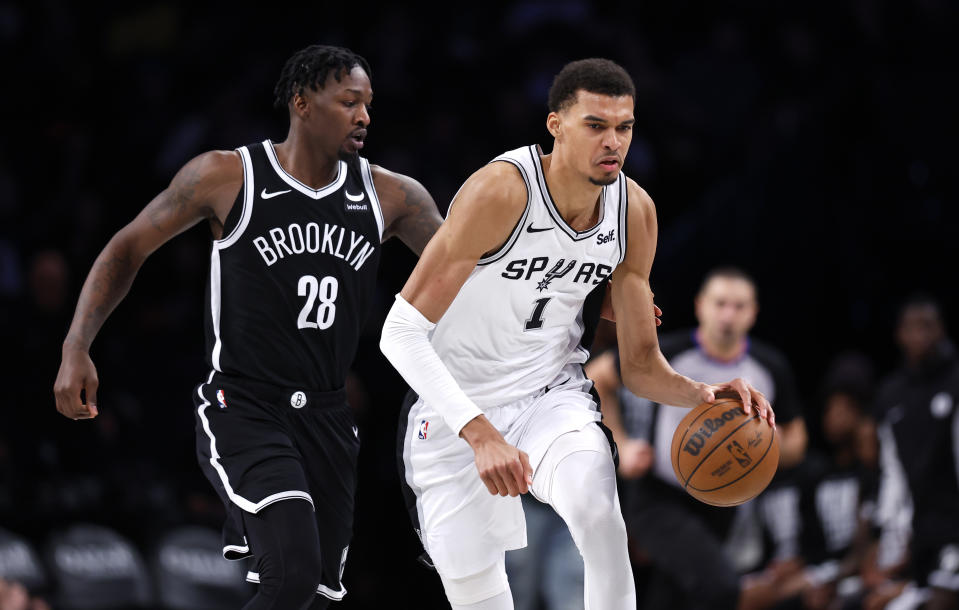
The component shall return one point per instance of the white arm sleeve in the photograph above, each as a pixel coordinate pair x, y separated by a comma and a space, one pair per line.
405, 343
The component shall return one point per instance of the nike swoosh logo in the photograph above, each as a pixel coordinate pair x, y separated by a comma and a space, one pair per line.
265, 195
354, 197
531, 229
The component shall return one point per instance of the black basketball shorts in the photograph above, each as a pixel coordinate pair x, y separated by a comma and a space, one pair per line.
259, 444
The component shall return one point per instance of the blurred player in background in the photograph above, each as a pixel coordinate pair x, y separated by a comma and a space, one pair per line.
296, 227
919, 462
838, 491
663, 520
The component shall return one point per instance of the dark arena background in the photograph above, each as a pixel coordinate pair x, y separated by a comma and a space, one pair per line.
812, 144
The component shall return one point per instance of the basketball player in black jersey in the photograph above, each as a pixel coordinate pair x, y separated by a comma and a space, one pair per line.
296, 229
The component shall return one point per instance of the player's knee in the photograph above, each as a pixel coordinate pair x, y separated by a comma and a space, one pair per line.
598, 518
294, 580
477, 587
595, 510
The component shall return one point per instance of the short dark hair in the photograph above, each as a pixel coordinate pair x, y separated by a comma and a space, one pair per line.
921, 300
595, 75
310, 67
729, 272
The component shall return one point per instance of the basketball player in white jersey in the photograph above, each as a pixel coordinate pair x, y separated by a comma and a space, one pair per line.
490, 331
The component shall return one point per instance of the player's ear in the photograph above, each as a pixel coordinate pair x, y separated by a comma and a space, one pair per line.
300, 105
553, 124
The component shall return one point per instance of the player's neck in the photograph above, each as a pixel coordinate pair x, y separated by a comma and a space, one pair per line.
306, 163
576, 199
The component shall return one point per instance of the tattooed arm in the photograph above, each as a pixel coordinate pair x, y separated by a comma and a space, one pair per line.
204, 189
410, 213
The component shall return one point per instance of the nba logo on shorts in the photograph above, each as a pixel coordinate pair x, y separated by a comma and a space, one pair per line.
423, 427
220, 398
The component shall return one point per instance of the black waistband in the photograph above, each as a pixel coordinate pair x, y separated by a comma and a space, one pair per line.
294, 397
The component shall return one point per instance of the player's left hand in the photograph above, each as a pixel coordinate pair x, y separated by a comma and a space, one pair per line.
751, 397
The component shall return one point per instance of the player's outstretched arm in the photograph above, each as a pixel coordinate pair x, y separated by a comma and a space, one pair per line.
645, 370
408, 209
198, 189
481, 218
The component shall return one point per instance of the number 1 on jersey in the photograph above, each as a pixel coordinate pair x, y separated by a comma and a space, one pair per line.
536, 320
327, 290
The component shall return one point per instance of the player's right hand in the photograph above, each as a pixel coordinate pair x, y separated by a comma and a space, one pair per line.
503, 468
76, 373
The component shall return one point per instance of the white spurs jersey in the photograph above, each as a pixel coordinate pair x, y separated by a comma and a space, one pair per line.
523, 314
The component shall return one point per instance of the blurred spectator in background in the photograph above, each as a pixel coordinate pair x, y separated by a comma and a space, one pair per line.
13, 596
662, 519
919, 461
839, 489
836, 493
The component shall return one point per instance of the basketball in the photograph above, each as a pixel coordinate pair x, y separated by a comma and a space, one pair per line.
720, 456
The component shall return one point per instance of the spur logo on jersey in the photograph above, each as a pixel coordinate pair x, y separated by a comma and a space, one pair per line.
605, 238
698, 438
555, 272
355, 249
585, 272
221, 399
424, 428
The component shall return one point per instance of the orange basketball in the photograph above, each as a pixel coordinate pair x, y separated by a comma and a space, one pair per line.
720, 456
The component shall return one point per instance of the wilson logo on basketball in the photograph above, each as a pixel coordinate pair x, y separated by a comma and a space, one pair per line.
698, 439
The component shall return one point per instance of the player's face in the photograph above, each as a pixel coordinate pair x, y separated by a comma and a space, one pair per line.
919, 331
597, 130
339, 113
726, 310
840, 419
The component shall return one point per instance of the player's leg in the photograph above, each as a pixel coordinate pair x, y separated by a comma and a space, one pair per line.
245, 451
287, 547
578, 478
327, 439
563, 570
485, 590
464, 528
320, 603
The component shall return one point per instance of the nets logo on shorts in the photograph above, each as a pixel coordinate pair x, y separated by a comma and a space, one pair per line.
424, 426
220, 398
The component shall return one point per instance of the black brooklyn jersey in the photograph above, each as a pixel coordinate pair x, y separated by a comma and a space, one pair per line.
291, 279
